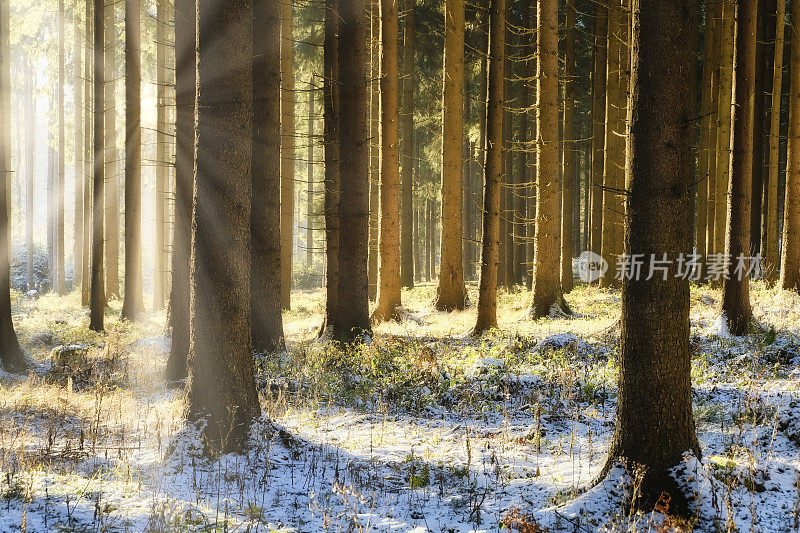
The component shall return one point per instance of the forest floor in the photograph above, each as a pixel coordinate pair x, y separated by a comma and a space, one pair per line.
423, 430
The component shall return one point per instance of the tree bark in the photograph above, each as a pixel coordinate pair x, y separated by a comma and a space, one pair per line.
352, 313
654, 424
133, 304
221, 387
568, 151
790, 249
724, 125
758, 133
287, 151
77, 235
487, 292
111, 211
772, 257
451, 293
736, 285
407, 151
97, 297
713, 126
547, 240
310, 179
374, 148
160, 272
88, 160
61, 286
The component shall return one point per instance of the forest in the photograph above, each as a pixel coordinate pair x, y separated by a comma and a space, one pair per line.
521, 266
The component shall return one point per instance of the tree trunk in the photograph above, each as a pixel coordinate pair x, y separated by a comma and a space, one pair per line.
451, 293
352, 314
724, 125
790, 255
736, 285
546, 273
287, 151
389, 237
159, 274
310, 180
30, 135
707, 139
88, 160
530, 73
407, 151
771, 253
111, 156
77, 235
61, 286
374, 148
428, 239
221, 386
185, 92
133, 305
487, 292
330, 93
97, 297
713, 126
11, 354
265, 218
758, 133
568, 151
654, 424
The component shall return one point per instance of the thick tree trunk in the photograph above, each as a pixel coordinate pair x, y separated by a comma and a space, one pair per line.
330, 93
133, 305
736, 285
11, 354
77, 234
790, 254
487, 292
221, 386
97, 297
88, 159
61, 286
547, 240
160, 268
407, 151
724, 125
568, 165
451, 293
389, 236
352, 314
265, 218
185, 92
654, 425
287, 151
111, 211
772, 257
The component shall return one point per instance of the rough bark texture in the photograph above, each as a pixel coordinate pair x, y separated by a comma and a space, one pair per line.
221, 387
407, 152
60, 283
133, 304
654, 425
547, 239
598, 123
265, 218
389, 235
790, 250
185, 92
111, 211
77, 234
352, 314
707, 114
451, 293
97, 296
487, 293
771, 253
287, 151
160, 266
11, 355
724, 125
568, 174
374, 147
330, 93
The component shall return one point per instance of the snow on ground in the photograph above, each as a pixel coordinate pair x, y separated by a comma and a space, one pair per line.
425, 430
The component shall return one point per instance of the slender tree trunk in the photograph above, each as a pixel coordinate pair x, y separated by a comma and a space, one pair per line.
530, 73
97, 297
389, 235
487, 292
771, 253
707, 112
417, 245
11, 354
159, 275
568, 166
654, 425
407, 151
61, 286
715, 14
310, 180
77, 234
428, 239
265, 218
546, 273
52, 266
88, 159
30, 120
790, 254
374, 148
451, 293
736, 285
221, 385
185, 92
133, 304
724, 127
758, 133
287, 151
351, 323
330, 93
111, 156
